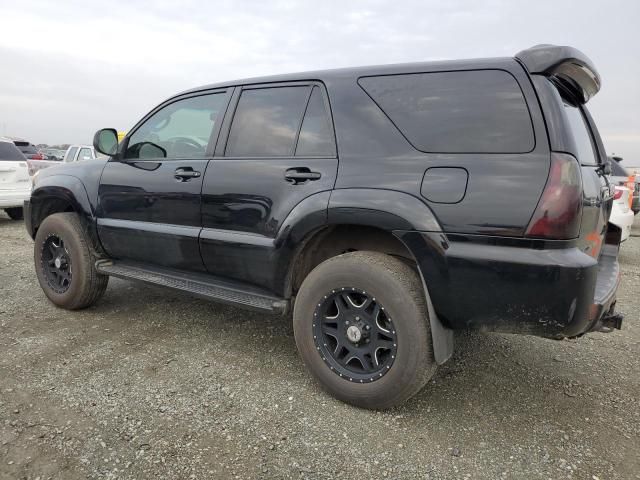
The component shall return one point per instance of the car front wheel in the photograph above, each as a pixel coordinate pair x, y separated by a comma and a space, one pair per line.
65, 263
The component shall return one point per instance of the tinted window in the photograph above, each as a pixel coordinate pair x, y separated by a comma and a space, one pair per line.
480, 111
315, 135
85, 154
71, 154
266, 121
9, 152
581, 135
180, 130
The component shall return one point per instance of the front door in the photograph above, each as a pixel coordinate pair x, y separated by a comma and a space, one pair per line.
149, 196
276, 150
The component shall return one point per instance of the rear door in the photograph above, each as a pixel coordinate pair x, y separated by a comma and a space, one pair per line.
149, 196
278, 149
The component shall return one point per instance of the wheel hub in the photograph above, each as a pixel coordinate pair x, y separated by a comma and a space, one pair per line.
354, 335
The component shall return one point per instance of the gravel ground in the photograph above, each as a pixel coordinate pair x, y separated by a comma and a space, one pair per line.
153, 384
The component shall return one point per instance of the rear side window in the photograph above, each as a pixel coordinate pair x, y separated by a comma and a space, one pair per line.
480, 111
316, 137
9, 152
266, 122
584, 143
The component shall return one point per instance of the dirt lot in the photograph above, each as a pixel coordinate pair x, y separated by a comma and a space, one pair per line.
153, 384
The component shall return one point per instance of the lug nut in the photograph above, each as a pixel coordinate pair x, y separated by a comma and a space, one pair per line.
367, 327
357, 319
346, 322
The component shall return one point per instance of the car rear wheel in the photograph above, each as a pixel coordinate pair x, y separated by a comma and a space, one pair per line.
14, 213
65, 263
362, 328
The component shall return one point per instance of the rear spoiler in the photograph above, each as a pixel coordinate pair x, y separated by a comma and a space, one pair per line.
567, 67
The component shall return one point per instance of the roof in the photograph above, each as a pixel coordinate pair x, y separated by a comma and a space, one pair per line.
363, 71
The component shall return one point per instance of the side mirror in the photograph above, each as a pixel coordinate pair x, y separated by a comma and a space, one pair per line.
105, 141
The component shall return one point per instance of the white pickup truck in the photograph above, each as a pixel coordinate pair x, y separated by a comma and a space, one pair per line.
75, 153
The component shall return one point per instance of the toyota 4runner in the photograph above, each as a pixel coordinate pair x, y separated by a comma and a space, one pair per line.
384, 206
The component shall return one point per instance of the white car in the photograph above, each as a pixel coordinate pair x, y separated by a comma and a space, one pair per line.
78, 153
15, 184
621, 213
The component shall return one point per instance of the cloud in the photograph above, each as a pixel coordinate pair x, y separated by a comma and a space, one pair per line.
71, 67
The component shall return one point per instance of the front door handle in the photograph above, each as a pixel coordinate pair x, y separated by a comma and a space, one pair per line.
185, 173
300, 175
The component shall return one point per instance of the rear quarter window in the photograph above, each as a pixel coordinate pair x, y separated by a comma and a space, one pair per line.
479, 111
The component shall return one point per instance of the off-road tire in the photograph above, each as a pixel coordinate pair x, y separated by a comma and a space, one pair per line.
86, 285
15, 213
395, 285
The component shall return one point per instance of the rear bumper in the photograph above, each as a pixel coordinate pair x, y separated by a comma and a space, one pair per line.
549, 289
14, 198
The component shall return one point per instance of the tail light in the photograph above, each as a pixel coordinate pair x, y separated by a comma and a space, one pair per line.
37, 156
559, 210
617, 193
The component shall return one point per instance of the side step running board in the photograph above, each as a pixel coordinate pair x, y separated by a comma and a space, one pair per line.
201, 285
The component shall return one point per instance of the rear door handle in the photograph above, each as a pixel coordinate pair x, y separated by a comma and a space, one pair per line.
185, 173
300, 175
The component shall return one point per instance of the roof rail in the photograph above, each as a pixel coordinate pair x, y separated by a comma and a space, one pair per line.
568, 67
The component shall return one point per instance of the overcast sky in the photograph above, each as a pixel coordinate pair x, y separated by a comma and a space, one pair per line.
70, 67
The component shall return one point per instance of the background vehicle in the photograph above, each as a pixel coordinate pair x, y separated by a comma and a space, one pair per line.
29, 150
15, 186
54, 154
78, 153
388, 206
623, 177
621, 214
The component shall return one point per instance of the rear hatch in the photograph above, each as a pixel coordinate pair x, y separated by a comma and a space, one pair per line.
577, 188
13, 168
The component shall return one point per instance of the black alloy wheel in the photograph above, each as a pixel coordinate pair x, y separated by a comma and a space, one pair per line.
56, 264
354, 335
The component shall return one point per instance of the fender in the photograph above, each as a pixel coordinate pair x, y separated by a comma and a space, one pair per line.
387, 209
397, 213
67, 188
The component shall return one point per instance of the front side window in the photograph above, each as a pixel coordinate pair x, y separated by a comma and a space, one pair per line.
182, 129
266, 122
478, 111
584, 144
71, 154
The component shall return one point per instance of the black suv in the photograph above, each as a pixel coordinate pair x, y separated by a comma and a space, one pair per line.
385, 206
